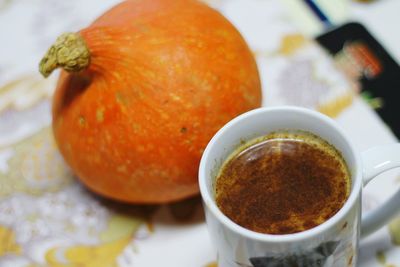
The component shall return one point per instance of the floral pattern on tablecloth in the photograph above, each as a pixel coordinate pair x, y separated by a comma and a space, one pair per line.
46, 216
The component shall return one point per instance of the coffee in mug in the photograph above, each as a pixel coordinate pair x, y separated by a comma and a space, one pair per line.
282, 183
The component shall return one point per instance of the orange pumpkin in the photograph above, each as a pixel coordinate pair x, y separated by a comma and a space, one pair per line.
143, 90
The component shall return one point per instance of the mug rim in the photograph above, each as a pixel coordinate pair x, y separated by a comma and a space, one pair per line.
210, 204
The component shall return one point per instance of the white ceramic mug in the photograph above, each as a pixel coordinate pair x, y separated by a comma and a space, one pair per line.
332, 243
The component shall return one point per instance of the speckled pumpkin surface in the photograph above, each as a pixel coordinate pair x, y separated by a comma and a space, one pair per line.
163, 77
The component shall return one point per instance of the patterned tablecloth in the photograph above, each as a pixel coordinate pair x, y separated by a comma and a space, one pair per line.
47, 218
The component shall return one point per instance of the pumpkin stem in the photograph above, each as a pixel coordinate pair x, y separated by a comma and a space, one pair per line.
69, 52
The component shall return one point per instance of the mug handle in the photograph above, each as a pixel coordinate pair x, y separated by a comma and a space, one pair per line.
375, 161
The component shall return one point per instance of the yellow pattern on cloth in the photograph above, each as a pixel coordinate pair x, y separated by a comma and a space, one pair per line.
24, 92
103, 255
36, 167
333, 108
304, 75
394, 231
114, 240
294, 43
37, 174
7, 242
291, 43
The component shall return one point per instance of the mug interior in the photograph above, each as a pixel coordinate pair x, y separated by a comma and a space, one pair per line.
258, 123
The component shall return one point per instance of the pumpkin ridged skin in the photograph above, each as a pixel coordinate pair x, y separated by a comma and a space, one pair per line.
164, 76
